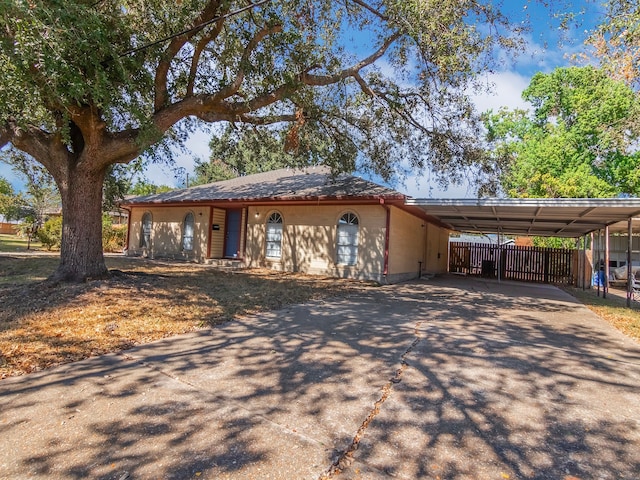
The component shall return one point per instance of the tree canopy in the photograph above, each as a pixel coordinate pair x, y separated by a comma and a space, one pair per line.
40, 196
89, 84
145, 187
237, 152
9, 202
617, 40
578, 141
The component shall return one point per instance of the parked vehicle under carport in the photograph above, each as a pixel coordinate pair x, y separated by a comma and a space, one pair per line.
618, 275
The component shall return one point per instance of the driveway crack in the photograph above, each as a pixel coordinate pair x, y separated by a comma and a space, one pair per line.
345, 459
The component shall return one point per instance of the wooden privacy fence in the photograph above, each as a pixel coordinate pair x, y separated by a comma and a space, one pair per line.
529, 264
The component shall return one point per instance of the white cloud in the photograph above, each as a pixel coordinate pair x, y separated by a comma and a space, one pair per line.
506, 91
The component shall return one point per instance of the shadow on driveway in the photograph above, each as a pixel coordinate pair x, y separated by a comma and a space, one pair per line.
448, 378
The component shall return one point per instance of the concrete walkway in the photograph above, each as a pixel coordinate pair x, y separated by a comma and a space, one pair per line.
449, 378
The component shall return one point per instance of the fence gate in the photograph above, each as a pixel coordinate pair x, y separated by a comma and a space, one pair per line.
529, 264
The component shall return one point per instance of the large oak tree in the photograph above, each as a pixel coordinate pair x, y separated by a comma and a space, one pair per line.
87, 84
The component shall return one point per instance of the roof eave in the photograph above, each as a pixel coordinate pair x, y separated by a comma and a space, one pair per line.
387, 199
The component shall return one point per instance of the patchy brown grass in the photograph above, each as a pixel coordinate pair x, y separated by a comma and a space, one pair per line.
613, 309
43, 325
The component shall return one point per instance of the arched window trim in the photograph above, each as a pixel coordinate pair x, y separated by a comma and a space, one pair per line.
347, 239
146, 228
188, 232
273, 235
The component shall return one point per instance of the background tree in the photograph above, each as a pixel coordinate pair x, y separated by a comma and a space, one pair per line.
617, 40
40, 197
116, 185
11, 204
245, 151
88, 84
145, 187
578, 141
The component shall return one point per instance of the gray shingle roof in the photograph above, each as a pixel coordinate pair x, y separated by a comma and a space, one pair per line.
283, 184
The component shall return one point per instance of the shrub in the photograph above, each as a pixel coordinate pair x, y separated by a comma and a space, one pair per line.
113, 236
50, 234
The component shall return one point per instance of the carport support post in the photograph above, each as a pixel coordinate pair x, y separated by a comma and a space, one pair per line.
597, 266
584, 263
605, 287
578, 263
629, 266
499, 262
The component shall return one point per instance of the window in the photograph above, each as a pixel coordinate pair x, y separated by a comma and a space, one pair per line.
187, 232
274, 235
347, 248
145, 234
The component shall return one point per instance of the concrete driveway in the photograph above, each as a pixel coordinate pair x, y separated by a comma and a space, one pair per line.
449, 378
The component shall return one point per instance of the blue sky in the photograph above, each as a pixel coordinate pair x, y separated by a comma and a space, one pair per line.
544, 53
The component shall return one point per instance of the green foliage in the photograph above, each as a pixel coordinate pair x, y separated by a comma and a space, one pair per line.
554, 242
114, 237
86, 85
10, 202
245, 151
110, 57
50, 234
59, 53
116, 184
213, 171
41, 196
579, 141
5, 187
616, 40
144, 187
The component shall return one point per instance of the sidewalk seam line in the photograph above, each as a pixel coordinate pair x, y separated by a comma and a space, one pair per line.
345, 459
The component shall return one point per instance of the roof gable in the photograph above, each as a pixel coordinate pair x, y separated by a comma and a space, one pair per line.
284, 184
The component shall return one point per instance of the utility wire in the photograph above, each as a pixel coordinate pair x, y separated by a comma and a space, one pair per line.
196, 28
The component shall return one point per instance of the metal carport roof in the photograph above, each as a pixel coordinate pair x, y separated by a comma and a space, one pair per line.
545, 217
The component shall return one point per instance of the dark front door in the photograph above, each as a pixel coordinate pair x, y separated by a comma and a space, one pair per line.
232, 236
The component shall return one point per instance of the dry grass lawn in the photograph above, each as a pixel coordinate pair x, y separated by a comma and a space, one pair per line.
44, 325
613, 309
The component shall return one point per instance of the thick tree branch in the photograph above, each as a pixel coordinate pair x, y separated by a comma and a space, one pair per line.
123, 146
5, 136
305, 78
363, 85
251, 119
33, 141
323, 80
371, 9
176, 44
88, 120
233, 87
195, 59
213, 108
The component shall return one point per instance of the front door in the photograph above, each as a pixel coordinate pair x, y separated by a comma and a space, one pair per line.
232, 234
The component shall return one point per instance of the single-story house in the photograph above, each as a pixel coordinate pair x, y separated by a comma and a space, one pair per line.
292, 220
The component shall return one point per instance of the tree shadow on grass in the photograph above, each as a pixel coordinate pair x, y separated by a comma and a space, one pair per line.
148, 301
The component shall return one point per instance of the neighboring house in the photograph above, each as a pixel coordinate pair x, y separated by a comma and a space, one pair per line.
8, 227
292, 220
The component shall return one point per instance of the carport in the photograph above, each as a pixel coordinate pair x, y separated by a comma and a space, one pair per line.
543, 217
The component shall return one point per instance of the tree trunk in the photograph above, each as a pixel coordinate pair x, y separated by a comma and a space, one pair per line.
81, 255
